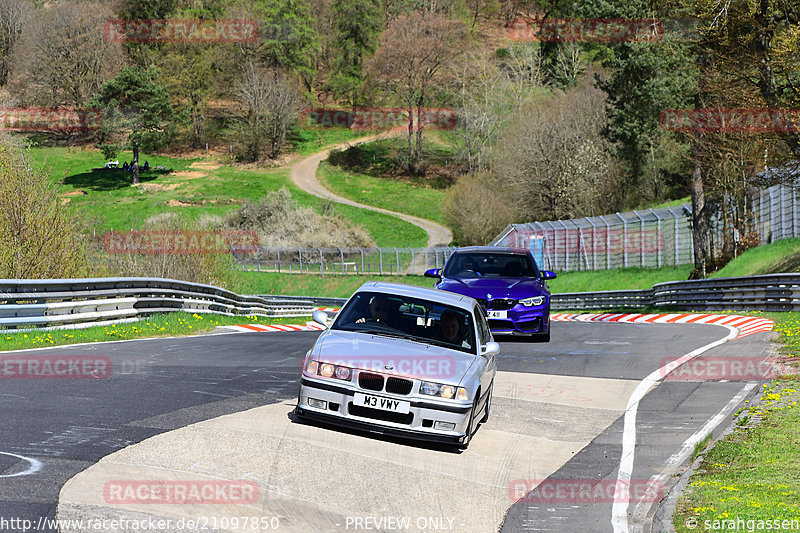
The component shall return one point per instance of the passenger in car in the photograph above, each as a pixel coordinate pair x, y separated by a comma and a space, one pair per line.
450, 327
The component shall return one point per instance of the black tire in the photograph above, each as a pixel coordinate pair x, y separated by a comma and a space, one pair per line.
488, 406
472, 427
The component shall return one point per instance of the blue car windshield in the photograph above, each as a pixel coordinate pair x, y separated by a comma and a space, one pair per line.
498, 265
412, 318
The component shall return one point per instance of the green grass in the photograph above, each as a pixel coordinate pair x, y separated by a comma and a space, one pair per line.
399, 195
753, 472
779, 256
162, 325
617, 279
308, 141
332, 286
339, 286
668, 203
109, 201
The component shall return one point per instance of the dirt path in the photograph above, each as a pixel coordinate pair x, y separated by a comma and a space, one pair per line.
304, 175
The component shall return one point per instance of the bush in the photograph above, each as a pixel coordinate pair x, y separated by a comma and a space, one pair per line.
475, 210
38, 237
280, 221
209, 268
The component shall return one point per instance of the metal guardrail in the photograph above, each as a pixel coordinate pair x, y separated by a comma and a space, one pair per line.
602, 300
80, 302
771, 292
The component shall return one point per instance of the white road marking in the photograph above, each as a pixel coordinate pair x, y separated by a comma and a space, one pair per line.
34, 465
619, 509
676, 459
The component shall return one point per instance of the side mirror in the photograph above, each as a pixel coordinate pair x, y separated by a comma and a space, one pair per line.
491, 348
433, 273
321, 317
547, 274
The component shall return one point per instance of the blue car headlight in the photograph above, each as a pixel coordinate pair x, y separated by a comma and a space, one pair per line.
532, 301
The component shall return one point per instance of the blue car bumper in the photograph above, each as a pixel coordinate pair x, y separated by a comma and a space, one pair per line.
520, 320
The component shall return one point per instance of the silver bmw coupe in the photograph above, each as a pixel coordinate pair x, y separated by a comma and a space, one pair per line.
402, 360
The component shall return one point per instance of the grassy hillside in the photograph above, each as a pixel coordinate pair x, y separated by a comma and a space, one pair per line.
779, 256
370, 174
193, 187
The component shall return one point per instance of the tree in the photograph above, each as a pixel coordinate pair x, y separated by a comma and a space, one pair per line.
189, 74
486, 99
273, 105
758, 43
552, 162
135, 105
357, 25
14, 16
413, 53
62, 57
39, 238
289, 39
147, 9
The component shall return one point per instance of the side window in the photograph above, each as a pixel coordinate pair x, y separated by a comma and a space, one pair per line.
483, 327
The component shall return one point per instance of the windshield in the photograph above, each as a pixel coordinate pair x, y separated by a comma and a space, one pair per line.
409, 318
474, 265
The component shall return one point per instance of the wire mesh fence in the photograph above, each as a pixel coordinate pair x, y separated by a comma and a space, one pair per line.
776, 211
342, 261
647, 238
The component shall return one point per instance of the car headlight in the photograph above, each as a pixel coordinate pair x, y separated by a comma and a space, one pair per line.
448, 392
532, 301
328, 370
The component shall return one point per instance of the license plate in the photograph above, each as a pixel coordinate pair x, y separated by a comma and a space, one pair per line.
496, 314
384, 404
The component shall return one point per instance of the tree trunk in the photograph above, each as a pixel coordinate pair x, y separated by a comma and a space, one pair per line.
135, 163
418, 147
411, 136
699, 223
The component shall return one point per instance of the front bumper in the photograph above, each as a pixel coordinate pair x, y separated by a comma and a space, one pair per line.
522, 320
417, 424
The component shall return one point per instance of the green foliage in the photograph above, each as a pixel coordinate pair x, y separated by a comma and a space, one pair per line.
136, 105
38, 237
147, 9
357, 25
290, 40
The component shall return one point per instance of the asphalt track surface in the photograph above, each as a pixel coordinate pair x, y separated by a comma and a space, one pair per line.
557, 416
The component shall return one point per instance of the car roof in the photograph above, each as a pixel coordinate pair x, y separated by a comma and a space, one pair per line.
491, 249
413, 291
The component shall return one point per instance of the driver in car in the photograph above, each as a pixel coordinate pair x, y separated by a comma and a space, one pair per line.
379, 311
469, 265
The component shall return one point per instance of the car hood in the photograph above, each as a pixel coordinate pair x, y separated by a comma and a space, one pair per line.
406, 358
497, 287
